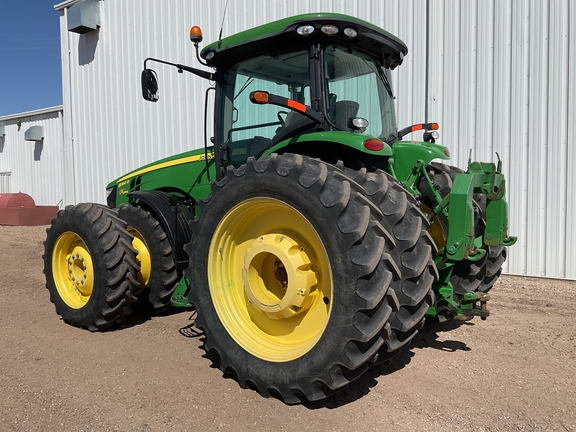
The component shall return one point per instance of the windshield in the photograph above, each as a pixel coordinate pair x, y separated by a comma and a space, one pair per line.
357, 85
248, 128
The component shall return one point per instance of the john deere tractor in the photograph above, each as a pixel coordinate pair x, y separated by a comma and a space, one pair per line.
310, 238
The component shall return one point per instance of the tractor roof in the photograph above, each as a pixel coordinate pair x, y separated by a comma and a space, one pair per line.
284, 33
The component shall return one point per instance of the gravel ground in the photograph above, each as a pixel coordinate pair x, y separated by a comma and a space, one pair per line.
514, 371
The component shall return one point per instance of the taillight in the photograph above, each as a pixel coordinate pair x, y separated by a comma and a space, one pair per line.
373, 144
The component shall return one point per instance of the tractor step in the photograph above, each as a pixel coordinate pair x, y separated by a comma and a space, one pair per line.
179, 297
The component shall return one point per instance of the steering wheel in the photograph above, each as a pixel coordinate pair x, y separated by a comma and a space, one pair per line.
280, 119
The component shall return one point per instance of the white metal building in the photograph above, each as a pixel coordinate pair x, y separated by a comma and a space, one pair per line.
31, 155
502, 78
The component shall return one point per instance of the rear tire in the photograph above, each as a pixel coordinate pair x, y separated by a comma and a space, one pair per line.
468, 276
157, 274
90, 266
335, 256
414, 248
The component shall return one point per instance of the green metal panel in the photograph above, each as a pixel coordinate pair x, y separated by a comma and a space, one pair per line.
350, 139
185, 172
277, 27
483, 178
406, 154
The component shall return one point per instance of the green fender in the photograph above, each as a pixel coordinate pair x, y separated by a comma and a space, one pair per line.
409, 156
353, 140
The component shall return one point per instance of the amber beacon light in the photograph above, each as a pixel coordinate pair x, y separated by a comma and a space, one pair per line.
196, 34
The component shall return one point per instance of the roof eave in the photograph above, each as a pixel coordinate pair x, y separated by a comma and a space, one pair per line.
66, 4
33, 113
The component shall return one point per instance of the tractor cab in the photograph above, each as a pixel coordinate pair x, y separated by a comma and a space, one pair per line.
312, 74
286, 79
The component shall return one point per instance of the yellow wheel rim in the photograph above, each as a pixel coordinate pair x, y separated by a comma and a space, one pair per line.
270, 279
142, 258
435, 229
72, 270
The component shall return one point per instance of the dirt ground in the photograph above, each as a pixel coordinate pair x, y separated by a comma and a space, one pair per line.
514, 371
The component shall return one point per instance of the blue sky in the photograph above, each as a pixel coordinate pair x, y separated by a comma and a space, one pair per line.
30, 70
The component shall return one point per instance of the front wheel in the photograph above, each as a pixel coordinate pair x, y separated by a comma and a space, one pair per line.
291, 278
157, 273
90, 266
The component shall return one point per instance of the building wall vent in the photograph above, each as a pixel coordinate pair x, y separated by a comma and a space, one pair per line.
84, 17
35, 133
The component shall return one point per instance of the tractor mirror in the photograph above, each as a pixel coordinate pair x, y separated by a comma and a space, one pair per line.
150, 85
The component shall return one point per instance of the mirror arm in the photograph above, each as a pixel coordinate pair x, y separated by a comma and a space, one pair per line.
198, 72
202, 74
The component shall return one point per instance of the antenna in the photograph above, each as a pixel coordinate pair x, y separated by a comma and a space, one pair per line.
222, 25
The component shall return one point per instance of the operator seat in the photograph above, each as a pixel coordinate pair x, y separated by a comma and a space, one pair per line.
343, 111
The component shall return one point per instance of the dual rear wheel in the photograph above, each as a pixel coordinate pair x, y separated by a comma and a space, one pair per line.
99, 261
302, 276
90, 266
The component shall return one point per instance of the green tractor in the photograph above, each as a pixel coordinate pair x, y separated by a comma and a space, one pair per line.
311, 240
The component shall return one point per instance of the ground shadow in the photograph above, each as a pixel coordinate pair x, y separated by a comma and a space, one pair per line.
141, 313
427, 337
362, 386
190, 330
354, 391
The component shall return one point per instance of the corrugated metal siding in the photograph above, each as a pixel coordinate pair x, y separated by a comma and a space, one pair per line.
36, 167
501, 80
5, 182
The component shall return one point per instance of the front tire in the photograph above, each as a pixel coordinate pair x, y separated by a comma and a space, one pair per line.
90, 266
157, 274
290, 277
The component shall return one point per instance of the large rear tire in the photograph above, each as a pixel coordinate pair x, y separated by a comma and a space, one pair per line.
291, 277
468, 276
157, 274
412, 246
90, 266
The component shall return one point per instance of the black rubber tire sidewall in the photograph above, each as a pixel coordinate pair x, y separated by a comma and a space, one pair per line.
113, 260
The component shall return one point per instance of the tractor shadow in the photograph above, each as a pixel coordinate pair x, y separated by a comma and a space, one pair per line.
427, 338
190, 330
142, 313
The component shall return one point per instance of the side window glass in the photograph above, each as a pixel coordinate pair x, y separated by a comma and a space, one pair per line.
250, 128
358, 86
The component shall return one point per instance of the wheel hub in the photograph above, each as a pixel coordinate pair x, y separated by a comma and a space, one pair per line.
278, 278
78, 270
72, 270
